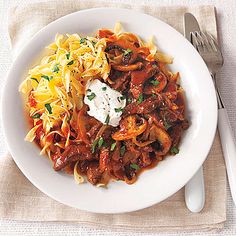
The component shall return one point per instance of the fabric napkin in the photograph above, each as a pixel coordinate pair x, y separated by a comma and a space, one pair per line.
20, 200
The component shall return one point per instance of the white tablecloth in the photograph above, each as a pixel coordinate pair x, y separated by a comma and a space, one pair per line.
227, 82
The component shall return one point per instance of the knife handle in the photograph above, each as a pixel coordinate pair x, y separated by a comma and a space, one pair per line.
195, 192
229, 149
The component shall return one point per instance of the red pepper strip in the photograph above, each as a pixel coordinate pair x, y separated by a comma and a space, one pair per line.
138, 79
104, 33
104, 159
155, 89
32, 101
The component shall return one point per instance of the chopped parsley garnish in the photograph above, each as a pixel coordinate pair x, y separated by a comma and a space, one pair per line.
36, 116
174, 150
104, 88
167, 125
68, 56
153, 95
82, 40
91, 96
154, 66
100, 142
122, 97
113, 146
129, 100
105, 144
127, 51
134, 166
94, 43
70, 63
155, 82
55, 68
49, 108
120, 109
35, 79
140, 99
122, 151
48, 78
107, 119
95, 142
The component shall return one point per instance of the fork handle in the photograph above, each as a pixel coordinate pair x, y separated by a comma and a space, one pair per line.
229, 149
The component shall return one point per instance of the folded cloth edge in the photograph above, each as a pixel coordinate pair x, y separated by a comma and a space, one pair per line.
174, 228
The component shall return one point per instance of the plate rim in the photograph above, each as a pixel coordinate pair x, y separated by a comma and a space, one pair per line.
4, 119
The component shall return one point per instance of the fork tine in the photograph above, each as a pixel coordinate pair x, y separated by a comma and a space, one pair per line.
201, 40
198, 34
196, 41
212, 42
206, 41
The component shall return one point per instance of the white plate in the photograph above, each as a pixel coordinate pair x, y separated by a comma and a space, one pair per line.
153, 185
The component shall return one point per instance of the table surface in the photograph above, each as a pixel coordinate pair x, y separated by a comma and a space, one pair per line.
227, 83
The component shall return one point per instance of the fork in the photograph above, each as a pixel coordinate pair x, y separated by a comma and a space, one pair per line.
210, 52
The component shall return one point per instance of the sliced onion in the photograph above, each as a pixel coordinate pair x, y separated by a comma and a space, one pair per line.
79, 179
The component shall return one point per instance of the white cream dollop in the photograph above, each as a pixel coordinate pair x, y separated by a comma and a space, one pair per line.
105, 104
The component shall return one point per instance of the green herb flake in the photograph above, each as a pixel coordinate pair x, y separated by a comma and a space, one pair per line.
36, 116
122, 97
94, 43
140, 99
35, 79
107, 119
113, 146
70, 63
91, 96
100, 141
167, 125
94, 145
174, 150
82, 40
155, 82
104, 88
55, 68
49, 108
153, 95
129, 100
120, 109
68, 56
127, 51
154, 66
89, 90
48, 78
134, 166
105, 144
122, 151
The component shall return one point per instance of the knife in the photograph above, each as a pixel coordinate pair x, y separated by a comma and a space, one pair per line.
194, 189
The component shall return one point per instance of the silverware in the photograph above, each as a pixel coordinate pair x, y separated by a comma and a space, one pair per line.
211, 54
194, 189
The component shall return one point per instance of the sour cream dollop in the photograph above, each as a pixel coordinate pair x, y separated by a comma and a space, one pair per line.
105, 104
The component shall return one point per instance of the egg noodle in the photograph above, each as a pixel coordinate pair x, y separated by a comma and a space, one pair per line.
59, 81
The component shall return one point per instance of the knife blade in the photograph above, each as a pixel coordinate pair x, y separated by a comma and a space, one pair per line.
190, 25
194, 189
